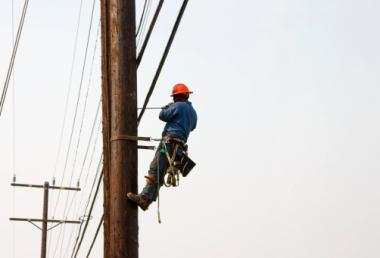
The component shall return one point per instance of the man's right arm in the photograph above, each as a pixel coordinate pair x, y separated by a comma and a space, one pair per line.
168, 113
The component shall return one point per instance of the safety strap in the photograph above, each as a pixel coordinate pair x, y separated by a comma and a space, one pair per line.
172, 173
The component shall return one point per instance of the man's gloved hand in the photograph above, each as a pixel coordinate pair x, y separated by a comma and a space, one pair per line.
168, 105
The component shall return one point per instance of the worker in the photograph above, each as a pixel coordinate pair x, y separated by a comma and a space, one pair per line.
181, 119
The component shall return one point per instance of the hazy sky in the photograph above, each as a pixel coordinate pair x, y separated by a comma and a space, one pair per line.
287, 144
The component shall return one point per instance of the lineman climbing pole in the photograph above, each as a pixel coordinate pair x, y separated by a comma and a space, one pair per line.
119, 118
119, 104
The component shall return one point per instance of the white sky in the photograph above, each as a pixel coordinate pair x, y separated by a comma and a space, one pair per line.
287, 143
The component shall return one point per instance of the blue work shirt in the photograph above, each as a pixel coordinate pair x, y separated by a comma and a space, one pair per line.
180, 118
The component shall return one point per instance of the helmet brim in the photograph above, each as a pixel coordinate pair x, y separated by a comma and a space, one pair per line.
187, 93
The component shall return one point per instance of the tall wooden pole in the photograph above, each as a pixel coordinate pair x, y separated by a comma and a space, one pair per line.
119, 118
45, 220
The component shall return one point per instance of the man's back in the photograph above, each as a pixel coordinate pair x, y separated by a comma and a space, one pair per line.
180, 118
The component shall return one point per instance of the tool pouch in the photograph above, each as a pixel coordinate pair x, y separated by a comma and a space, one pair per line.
186, 165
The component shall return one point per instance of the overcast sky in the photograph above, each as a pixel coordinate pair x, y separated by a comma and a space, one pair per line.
287, 144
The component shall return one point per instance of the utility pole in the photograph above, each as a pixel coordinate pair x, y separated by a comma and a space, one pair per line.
119, 95
45, 219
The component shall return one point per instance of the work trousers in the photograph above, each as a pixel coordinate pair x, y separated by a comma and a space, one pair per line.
160, 164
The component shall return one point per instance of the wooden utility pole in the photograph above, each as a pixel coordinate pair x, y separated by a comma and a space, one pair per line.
119, 118
44, 229
45, 220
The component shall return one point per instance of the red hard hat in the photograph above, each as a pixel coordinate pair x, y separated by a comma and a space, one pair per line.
180, 88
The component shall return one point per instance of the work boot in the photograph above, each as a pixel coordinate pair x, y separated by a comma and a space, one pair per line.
140, 200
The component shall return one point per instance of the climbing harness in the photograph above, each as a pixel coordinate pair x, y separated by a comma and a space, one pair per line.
175, 166
172, 171
158, 188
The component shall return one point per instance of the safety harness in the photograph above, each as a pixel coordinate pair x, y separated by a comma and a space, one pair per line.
172, 172
184, 166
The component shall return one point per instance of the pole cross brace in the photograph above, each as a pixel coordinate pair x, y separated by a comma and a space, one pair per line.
50, 187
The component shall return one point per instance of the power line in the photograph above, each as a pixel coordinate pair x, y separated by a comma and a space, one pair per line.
13, 57
88, 216
89, 141
66, 106
90, 163
144, 22
149, 33
69, 88
88, 172
88, 146
96, 235
163, 59
141, 17
74, 122
83, 214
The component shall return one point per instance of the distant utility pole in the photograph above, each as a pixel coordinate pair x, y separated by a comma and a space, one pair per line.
119, 92
45, 219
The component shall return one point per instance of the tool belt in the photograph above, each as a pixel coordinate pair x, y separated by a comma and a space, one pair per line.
183, 166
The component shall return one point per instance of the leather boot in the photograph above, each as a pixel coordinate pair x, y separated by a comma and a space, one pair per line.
140, 200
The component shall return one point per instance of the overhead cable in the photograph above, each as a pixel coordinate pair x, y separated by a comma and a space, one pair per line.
149, 33
163, 59
73, 125
13, 57
144, 22
69, 88
79, 212
84, 215
66, 108
141, 18
96, 235
88, 216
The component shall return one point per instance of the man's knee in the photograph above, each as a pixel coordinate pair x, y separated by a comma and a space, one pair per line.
150, 180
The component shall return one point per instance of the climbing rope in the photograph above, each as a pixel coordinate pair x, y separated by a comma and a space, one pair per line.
172, 172
158, 185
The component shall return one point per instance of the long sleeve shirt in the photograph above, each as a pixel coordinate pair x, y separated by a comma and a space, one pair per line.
180, 118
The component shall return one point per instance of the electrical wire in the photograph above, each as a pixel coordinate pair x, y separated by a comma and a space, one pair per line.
88, 170
144, 22
96, 235
163, 59
88, 146
85, 209
90, 163
149, 33
141, 18
66, 108
13, 57
69, 87
73, 125
83, 213
67, 210
88, 216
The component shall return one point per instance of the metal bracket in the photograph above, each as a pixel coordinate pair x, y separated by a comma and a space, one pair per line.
134, 138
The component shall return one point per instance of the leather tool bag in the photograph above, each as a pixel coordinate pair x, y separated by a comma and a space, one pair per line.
186, 165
